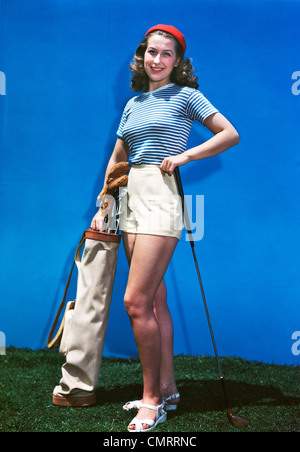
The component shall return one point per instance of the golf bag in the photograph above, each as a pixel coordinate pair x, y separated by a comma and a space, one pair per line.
81, 334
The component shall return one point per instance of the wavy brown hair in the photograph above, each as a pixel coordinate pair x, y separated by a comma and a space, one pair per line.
182, 75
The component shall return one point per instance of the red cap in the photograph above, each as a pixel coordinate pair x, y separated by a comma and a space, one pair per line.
172, 31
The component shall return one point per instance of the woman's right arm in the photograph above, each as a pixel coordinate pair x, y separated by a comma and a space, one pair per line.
120, 154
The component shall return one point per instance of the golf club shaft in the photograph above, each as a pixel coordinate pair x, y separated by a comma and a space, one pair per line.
191, 240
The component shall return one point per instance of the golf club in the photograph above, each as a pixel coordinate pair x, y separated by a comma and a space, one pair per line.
118, 195
235, 420
117, 178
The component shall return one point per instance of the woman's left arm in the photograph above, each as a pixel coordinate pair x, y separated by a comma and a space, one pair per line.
225, 136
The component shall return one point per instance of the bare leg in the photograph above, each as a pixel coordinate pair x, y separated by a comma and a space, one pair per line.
162, 313
149, 260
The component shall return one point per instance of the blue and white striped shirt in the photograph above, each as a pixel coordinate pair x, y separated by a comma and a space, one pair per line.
157, 124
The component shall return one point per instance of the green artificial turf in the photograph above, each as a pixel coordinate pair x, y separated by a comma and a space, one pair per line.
269, 395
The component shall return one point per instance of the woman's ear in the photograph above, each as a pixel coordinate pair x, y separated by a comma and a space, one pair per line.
177, 62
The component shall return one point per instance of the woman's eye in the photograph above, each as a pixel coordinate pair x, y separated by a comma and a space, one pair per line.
153, 53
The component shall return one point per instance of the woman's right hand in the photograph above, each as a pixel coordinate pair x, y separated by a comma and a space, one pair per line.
97, 221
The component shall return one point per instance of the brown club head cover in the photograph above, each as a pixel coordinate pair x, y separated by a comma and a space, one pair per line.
120, 169
116, 173
115, 183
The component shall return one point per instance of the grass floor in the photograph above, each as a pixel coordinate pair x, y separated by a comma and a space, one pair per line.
267, 394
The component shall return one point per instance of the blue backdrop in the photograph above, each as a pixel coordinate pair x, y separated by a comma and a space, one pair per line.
64, 83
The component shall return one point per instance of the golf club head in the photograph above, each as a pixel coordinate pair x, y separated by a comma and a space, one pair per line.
237, 421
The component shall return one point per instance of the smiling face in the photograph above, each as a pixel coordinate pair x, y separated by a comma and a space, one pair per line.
159, 60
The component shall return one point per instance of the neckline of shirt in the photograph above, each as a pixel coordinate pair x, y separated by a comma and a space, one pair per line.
159, 89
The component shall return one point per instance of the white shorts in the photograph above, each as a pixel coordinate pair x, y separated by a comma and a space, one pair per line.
152, 205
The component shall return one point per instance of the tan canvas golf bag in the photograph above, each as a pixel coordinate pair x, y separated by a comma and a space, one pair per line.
82, 333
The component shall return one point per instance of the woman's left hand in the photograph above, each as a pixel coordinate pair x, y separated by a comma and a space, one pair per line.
170, 163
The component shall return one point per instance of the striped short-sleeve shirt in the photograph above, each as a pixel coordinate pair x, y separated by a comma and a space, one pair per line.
157, 124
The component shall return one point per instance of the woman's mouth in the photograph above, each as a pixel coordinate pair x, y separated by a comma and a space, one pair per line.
156, 69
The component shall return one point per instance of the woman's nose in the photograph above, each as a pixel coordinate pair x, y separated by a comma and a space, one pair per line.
157, 58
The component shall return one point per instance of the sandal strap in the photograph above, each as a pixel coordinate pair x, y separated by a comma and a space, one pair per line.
172, 397
151, 407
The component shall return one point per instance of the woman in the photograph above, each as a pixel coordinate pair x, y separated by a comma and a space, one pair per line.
153, 132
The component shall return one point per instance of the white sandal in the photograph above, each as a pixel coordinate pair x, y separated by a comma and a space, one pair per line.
161, 416
136, 404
